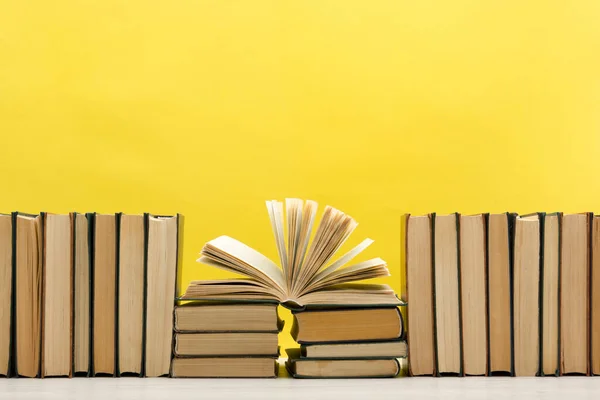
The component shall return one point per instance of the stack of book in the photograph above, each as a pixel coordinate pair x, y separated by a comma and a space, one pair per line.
347, 343
234, 340
503, 294
350, 313
82, 294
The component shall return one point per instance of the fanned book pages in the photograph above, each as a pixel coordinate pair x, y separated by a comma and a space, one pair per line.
304, 275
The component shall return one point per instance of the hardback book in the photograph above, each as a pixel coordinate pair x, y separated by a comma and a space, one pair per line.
131, 274
82, 297
162, 258
301, 367
526, 295
473, 294
447, 295
304, 276
499, 278
595, 298
226, 317
224, 367
57, 295
347, 325
391, 348
419, 294
28, 294
6, 293
574, 294
226, 344
104, 294
550, 294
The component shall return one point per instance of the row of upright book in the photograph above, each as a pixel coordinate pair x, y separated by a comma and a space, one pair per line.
503, 294
87, 294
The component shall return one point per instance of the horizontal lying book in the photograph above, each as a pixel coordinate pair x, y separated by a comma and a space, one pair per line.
347, 325
242, 367
220, 317
300, 367
226, 344
390, 349
305, 276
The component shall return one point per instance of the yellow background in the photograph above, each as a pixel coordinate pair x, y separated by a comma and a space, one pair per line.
209, 108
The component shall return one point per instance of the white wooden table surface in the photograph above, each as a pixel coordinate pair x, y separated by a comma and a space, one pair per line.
565, 388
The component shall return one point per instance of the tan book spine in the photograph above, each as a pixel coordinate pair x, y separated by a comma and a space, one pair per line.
499, 285
447, 295
574, 295
473, 294
419, 278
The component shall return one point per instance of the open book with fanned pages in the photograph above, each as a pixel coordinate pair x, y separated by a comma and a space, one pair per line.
304, 277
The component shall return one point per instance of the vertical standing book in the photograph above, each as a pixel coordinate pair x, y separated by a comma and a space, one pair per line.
574, 294
28, 294
57, 290
131, 266
6, 292
499, 285
419, 283
162, 258
550, 294
526, 295
473, 294
104, 297
447, 295
82, 295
